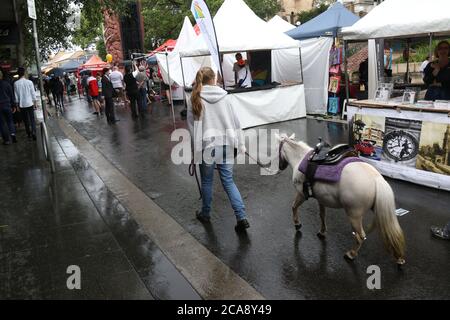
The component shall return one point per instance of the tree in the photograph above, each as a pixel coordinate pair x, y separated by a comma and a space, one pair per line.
89, 31
163, 19
305, 16
52, 23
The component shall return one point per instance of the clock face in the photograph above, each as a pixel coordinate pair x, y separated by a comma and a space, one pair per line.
400, 145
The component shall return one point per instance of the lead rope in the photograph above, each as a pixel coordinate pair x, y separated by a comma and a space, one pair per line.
192, 173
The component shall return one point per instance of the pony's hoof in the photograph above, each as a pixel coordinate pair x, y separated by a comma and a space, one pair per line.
298, 227
349, 257
321, 235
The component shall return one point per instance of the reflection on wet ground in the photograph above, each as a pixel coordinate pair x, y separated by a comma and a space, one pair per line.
277, 261
48, 222
73, 217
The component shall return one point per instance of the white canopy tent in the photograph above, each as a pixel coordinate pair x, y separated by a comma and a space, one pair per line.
170, 64
399, 19
238, 29
251, 33
315, 63
402, 18
278, 23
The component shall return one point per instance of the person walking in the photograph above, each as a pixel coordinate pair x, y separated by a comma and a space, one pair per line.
141, 79
58, 87
132, 91
25, 98
67, 86
117, 82
93, 93
211, 112
6, 111
108, 94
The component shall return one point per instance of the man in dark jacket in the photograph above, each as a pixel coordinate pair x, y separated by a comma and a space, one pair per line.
132, 91
108, 93
6, 108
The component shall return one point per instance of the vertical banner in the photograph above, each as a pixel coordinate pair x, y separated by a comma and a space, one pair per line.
205, 22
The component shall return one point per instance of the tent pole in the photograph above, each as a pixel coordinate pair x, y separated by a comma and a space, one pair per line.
347, 91
407, 60
430, 49
184, 82
170, 90
301, 65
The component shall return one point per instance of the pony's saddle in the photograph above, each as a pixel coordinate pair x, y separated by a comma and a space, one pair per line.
325, 163
324, 154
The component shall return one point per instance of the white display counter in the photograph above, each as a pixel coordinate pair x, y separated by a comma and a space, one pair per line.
282, 103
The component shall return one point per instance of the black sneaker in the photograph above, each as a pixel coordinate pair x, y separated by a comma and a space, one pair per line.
5, 143
34, 137
13, 138
242, 225
201, 217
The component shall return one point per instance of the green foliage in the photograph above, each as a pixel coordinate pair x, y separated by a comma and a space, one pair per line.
52, 22
89, 31
101, 48
163, 19
310, 14
420, 51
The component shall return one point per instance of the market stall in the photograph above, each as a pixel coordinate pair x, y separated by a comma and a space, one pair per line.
94, 64
403, 136
169, 63
322, 58
271, 99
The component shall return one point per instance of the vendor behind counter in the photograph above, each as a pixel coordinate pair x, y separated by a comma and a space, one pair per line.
437, 74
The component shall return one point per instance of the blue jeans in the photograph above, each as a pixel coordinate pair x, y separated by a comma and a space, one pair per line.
226, 177
6, 117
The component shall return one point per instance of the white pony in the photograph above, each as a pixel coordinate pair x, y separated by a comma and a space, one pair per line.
361, 188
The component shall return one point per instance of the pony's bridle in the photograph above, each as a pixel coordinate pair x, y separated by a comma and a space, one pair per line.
282, 162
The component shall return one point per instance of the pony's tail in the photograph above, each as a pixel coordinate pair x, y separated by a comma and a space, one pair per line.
386, 220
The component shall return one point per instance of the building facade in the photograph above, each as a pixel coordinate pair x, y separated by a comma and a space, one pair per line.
9, 35
290, 8
124, 35
360, 7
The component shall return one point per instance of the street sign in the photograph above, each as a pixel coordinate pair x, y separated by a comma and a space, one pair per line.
31, 9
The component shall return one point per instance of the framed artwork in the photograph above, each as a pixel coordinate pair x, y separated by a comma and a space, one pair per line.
335, 83
333, 105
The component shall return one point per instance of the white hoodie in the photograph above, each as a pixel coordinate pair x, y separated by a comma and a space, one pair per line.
218, 124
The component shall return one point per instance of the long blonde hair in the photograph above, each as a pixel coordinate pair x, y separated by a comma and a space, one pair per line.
204, 76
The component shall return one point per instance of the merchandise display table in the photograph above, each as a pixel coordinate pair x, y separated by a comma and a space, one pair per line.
407, 142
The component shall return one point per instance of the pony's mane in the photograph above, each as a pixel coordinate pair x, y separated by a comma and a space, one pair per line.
293, 142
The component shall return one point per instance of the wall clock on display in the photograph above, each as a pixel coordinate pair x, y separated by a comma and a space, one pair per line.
400, 145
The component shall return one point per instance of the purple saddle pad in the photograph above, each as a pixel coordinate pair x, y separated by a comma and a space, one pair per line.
327, 173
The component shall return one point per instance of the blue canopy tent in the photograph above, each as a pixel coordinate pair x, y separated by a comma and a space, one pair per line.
326, 24
70, 66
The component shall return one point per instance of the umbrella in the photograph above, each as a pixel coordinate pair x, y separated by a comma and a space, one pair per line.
152, 60
57, 72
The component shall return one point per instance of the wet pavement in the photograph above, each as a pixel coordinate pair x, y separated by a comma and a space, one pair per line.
277, 261
49, 222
